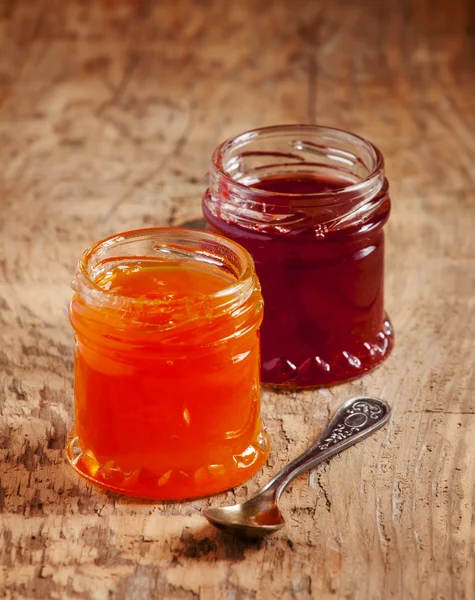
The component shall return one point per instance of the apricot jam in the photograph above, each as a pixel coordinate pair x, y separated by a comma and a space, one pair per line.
167, 399
309, 204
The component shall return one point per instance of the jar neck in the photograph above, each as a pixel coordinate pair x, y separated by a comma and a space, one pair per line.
123, 317
241, 167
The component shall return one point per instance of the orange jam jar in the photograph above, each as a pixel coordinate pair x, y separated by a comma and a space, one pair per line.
167, 397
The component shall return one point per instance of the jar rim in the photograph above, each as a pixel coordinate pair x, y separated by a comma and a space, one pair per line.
86, 282
247, 136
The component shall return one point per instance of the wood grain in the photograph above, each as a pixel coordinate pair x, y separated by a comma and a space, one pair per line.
109, 111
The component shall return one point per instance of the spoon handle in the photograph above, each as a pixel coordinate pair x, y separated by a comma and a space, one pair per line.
355, 420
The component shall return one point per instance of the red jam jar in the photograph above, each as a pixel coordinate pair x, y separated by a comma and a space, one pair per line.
309, 203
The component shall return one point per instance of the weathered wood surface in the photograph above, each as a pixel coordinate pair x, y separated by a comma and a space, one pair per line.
109, 113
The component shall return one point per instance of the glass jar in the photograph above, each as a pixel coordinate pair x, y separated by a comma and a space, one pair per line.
309, 203
167, 397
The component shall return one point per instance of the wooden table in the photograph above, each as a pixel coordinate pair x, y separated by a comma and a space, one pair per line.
109, 113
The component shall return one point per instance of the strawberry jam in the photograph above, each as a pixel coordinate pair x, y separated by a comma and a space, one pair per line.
315, 231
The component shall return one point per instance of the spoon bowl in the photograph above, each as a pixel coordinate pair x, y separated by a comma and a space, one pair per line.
355, 420
255, 518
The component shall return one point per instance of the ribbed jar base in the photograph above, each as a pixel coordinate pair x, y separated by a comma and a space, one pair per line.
173, 484
323, 371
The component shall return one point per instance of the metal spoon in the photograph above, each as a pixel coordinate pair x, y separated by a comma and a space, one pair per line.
356, 419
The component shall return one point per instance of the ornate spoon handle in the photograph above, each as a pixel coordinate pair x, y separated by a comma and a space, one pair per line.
355, 420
